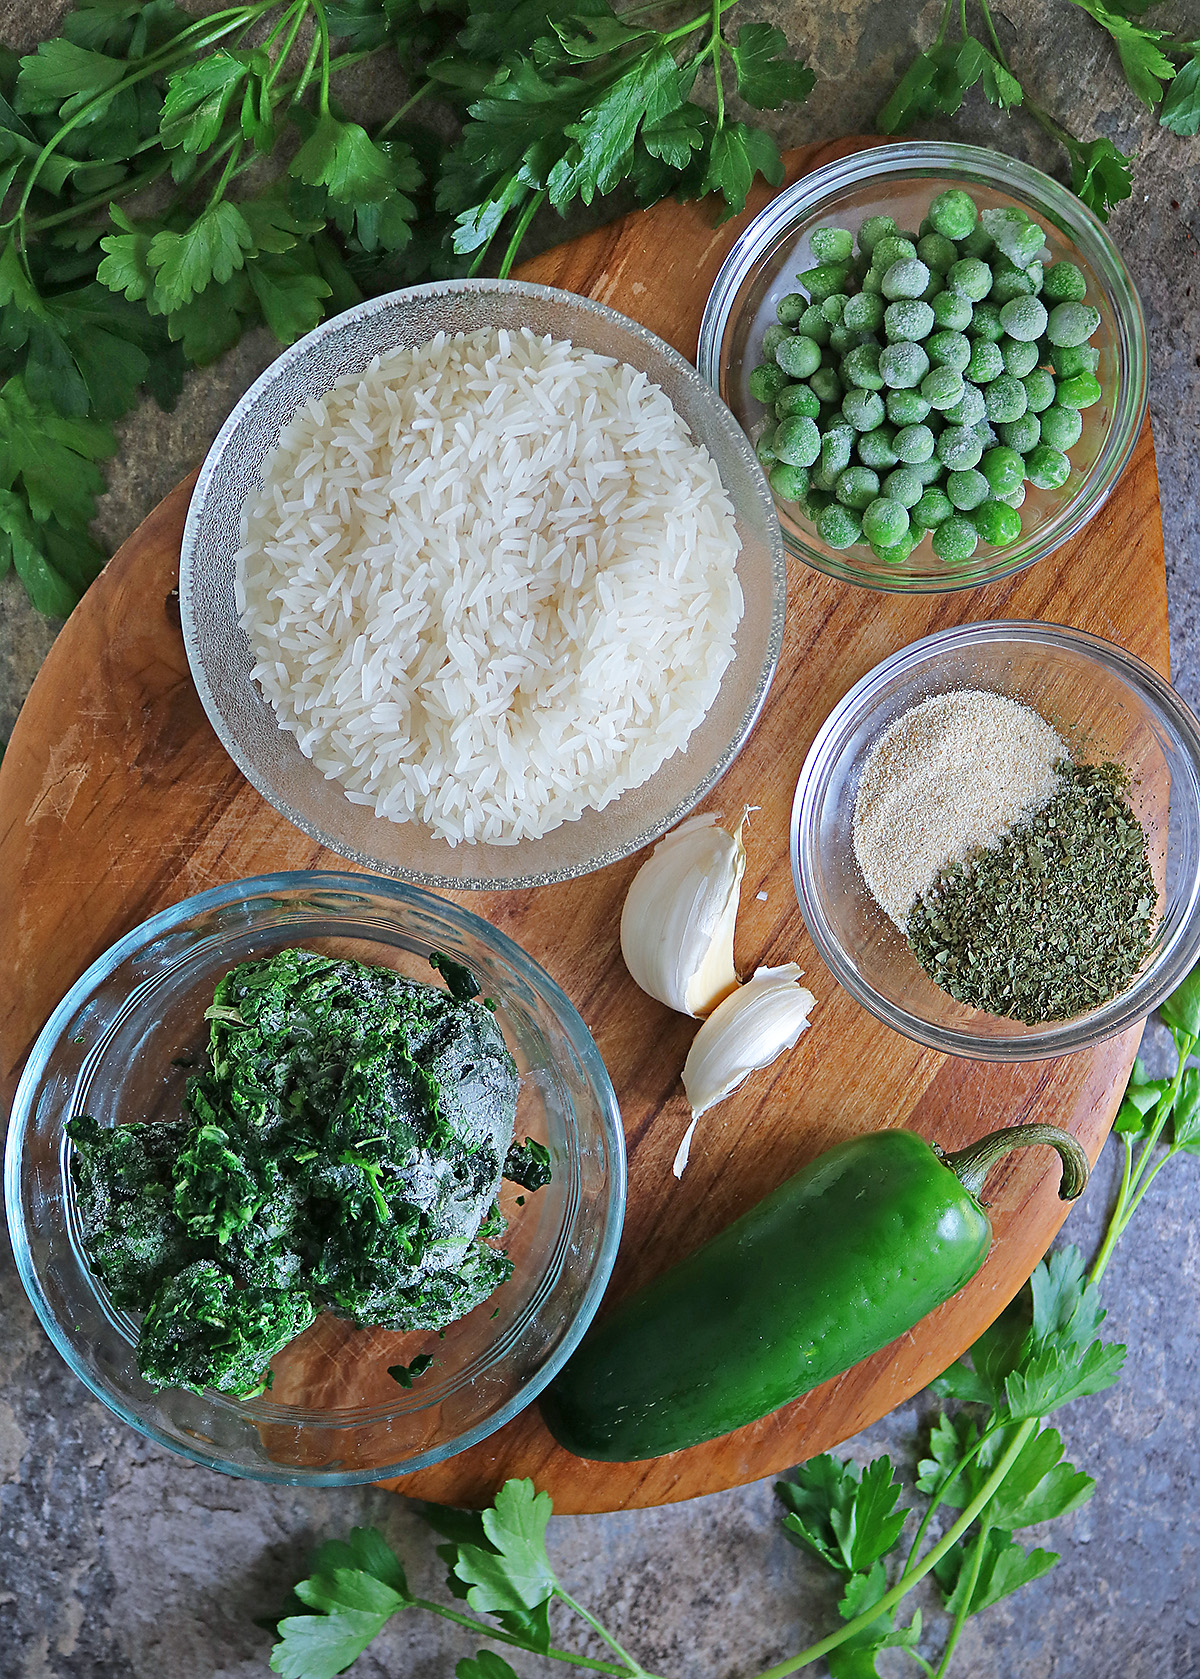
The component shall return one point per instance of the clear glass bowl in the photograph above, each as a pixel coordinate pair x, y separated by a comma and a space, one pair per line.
334, 1416
899, 181
219, 652
1105, 704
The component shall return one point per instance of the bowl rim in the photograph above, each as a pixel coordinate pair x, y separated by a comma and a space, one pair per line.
1169, 967
739, 444
241, 891
901, 159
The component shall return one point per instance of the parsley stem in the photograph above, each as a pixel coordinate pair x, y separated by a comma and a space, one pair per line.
944, 1487
527, 214
967, 1590
135, 183
962, 17
485, 1631
632, 1667
715, 49
298, 16
227, 174
945, 24
912, 1575
403, 110
995, 39
322, 23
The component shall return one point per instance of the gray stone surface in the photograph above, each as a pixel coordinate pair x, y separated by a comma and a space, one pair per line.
119, 1562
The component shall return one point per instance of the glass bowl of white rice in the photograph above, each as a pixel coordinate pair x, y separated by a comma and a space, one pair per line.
482, 585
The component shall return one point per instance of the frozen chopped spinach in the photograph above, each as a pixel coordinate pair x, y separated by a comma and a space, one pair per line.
528, 1164
342, 1148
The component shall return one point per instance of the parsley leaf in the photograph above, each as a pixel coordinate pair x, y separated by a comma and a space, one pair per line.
1051, 1378
1181, 1011
406, 1374
846, 1517
62, 77
290, 293
1146, 66
1005, 1567
356, 1586
1000, 85
1185, 1115
485, 1664
766, 77
200, 97
320, 1646
1181, 107
517, 1574
737, 154
210, 249
1101, 176
52, 455
342, 157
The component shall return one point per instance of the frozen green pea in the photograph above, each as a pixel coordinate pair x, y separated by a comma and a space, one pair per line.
843, 338
952, 310
832, 244
986, 323
864, 312
914, 443
933, 289
977, 244
1009, 281
790, 308
959, 448
1047, 468
797, 441
906, 407
765, 447
971, 277
1005, 399
1020, 239
1021, 435
929, 472
1072, 323
872, 283
937, 252
789, 483
823, 280
822, 480
1061, 427
893, 247
986, 363
1039, 389
837, 449
933, 509
902, 366
996, 522
766, 382
895, 553
966, 489
857, 486
1020, 357
907, 320
903, 486
906, 278
814, 501
986, 433
873, 230
885, 521
833, 308
955, 540
798, 356
949, 349
1069, 359
1016, 499
796, 399
861, 367
863, 409
826, 384
942, 387
773, 337
969, 410
1003, 468
839, 526
1079, 392
953, 214
875, 448
812, 324
1024, 318
1064, 283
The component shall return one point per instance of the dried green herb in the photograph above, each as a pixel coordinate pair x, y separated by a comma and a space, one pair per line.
1056, 918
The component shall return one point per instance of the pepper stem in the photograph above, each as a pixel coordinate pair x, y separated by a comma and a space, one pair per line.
971, 1165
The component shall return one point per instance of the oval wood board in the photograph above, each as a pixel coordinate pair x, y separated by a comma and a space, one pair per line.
116, 800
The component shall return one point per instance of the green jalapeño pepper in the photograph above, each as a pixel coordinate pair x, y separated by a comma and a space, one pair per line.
830, 1267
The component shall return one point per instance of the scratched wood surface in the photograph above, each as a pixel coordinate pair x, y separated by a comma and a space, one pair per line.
116, 800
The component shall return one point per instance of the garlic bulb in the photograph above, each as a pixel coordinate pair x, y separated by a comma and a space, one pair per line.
677, 923
747, 1031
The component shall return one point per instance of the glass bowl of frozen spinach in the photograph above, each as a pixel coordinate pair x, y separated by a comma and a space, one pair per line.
898, 376
278, 1162
996, 840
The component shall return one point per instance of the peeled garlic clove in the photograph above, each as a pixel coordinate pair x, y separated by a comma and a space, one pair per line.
677, 923
747, 1031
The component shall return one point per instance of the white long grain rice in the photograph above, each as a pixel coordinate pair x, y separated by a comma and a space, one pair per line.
489, 583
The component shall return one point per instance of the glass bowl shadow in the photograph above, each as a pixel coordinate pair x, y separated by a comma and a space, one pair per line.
899, 181
1105, 704
119, 1046
218, 649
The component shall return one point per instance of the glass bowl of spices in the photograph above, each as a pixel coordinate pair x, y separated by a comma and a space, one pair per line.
940, 357
996, 840
287, 1242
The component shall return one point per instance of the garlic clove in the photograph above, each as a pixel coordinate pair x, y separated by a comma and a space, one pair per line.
678, 918
747, 1031
684, 1149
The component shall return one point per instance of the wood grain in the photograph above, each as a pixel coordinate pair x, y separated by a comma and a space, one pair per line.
116, 799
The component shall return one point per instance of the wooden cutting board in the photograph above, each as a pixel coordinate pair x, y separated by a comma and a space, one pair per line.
116, 800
